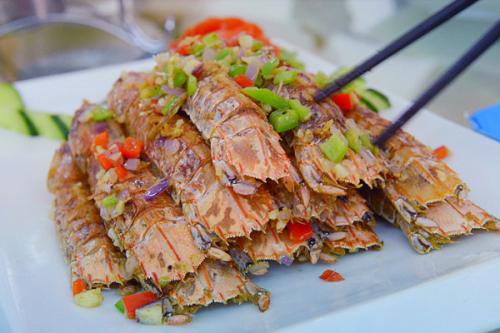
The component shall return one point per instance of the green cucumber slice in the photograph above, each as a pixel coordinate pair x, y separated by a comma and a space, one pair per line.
12, 115
374, 100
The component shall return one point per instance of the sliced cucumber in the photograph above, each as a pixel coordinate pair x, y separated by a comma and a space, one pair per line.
14, 117
150, 314
374, 100
50, 126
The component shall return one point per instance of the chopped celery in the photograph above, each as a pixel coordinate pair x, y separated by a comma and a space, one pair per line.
284, 120
267, 69
197, 49
100, 114
119, 306
192, 84
236, 70
291, 59
110, 201
285, 77
266, 96
303, 111
321, 79
89, 299
222, 54
179, 78
353, 139
334, 148
211, 40
167, 109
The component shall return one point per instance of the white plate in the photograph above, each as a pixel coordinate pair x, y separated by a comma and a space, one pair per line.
395, 289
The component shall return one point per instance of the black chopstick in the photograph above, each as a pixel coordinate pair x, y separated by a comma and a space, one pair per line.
442, 82
420, 30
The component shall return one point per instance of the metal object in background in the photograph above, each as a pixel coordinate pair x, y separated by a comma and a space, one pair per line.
21, 19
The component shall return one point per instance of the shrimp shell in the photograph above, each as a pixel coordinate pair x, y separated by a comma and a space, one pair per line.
241, 139
321, 174
184, 159
153, 233
217, 282
90, 252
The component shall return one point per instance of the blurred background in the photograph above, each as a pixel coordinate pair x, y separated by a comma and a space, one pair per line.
44, 37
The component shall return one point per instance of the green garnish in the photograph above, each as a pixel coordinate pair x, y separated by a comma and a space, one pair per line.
284, 120
367, 143
334, 148
236, 70
197, 49
100, 114
179, 78
170, 105
266, 96
211, 40
119, 306
291, 59
303, 111
192, 84
353, 139
110, 201
267, 69
321, 79
245, 41
222, 54
285, 77
257, 45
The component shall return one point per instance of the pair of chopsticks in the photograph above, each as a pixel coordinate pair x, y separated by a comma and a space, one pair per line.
411, 36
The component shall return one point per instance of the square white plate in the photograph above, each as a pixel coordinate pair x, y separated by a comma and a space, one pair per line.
395, 289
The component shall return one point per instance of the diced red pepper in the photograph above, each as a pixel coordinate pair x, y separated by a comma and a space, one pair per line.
137, 301
441, 152
243, 81
131, 148
101, 140
299, 231
121, 172
343, 101
331, 276
79, 286
105, 162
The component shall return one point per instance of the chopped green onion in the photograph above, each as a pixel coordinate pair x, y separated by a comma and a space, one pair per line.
197, 49
321, 79
258, 81
284, 120
367, 143
222, 54
110, 201
266, 96
334, 148
285, 77
303, 111
353, 139
291, 59
100, 114
179, 78
192, 84
257, 45
119, 306
236, 70
166, 110
156, 91
211, 40
267, 69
